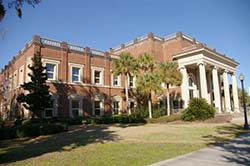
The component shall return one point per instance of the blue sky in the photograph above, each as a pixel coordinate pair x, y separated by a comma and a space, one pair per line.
222, 24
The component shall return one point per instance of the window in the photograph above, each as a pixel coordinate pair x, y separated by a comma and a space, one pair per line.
75, 74
15, 79
116, 80
48, 112
131, 81
97, 108
21, 75
75, 106
50, 70
98, 105
132, 106
97, 75
116, 107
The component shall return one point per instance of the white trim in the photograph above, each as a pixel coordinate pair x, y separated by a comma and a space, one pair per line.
98, 97
134, 80
21, 75
93, 69
118, 80
15, 80
54, 108
80, 77
53, 62
76, 97
119, 99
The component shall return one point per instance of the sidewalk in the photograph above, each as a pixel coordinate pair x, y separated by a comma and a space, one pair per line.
235, 152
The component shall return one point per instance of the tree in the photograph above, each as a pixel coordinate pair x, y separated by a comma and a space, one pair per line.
17, 4
147, 65
146, 62
128, 66
247, 97
170, 76
5, 96
148, 83
38, 97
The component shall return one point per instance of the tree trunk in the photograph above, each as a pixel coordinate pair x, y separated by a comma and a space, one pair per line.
126, 93
168, 101
150, 107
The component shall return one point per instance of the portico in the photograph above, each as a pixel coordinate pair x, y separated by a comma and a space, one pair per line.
206, 75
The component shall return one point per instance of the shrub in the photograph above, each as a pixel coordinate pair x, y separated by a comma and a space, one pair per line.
141, 111
198, 109
75, 121
30, 121
18, 122
49, 128
165, 119
8, 132
158, 112
115, 119
1, 122
28, 130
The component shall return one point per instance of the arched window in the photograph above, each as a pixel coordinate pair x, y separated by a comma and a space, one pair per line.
75, 105
116, 105
51, 111
98, 105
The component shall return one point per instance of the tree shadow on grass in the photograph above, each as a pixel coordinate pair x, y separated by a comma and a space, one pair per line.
235, 151
21, 149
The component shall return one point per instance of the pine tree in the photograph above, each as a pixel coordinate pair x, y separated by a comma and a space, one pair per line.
38, 97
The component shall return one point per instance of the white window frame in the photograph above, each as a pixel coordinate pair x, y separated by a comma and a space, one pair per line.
118, 80
53, 62
15, 83
10, 82
80, 76
98, 97
93, 69
117, 99
21, 75
134, 79
80, 109
54, 108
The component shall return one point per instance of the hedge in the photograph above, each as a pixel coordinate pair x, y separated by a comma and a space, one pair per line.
198, 109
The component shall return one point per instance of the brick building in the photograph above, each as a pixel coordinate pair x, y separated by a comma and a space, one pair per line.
81, 82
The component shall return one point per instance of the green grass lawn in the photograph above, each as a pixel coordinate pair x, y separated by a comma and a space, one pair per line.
114, 145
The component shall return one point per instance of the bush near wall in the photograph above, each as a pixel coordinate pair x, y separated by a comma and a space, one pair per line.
198, 109
142, 111
115, 119
165, 119
30, 128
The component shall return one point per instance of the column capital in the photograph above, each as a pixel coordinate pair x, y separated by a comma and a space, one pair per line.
182, 67
225, 71
233, 73
201, 63
215, 67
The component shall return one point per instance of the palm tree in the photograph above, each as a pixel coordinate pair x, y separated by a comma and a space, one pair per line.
146, 62
147, 84
170, 76
127, 65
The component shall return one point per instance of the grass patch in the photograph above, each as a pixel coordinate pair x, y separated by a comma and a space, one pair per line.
115, 145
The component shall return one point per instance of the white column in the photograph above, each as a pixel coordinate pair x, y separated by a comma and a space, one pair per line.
235, 93
184, 86
203, 80
217, 99
226, 92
